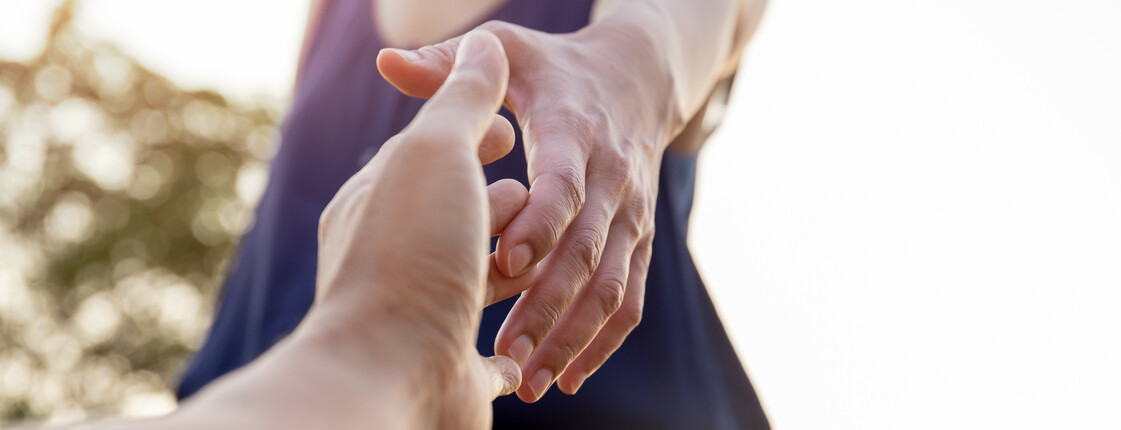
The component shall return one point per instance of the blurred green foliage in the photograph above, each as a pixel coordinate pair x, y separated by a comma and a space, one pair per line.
121, 198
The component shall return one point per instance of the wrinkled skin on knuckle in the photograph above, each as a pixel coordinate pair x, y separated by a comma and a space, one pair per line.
613, 169
634, 219
586, 126
549, 311
643, 221
572, 186
441, 53
567, 178
563, 354
586, 247
609, 293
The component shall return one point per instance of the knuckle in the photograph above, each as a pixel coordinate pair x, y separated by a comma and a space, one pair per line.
584, 125
548, 237
631, 316
586, 247
641, 213
565, 353
632, 229
610, 293
569, 183
550, 312
615, 168
443, 53
643, 222
634, 223
596, 119
602, 356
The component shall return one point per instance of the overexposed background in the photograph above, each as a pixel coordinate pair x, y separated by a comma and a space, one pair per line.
909, 218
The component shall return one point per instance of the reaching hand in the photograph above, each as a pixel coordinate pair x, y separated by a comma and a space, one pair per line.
407, 238
596, 117
402, 279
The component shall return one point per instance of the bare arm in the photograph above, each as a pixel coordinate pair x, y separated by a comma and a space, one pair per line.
703, 40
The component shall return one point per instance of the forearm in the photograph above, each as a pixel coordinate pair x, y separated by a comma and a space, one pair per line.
306, 382
700, 41
312, 380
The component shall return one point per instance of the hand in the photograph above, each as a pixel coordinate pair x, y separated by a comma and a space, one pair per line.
597, 109
407, 238
401, 283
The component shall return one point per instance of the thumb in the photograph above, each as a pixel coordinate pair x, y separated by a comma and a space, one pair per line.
464, 106
503, 374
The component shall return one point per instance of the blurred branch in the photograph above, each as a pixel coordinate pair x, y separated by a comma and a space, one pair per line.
122, 198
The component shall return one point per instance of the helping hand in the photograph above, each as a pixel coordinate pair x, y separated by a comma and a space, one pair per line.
597, 111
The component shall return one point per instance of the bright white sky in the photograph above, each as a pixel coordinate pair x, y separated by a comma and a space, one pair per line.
909, 219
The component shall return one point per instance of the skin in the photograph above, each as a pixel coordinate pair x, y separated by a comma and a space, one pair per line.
404, 275
597, 108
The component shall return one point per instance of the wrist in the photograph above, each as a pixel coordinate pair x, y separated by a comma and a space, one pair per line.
628, 39
371, 346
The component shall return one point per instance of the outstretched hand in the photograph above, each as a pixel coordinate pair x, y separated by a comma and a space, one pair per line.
408, 236
597, 110
402, 279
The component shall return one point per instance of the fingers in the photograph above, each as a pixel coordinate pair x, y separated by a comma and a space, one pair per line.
501, 287
418, 73
503, 374
463, 108
587, 315
556, 195
498, 141
611, 337
507, 197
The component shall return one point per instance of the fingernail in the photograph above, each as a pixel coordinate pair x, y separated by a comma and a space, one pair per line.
519, 258
579, 383
521, 349
409, 56
540, 382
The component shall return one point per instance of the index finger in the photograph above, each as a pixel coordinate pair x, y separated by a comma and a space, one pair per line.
557, 171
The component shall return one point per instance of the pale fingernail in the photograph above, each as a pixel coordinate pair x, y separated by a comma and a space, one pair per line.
409, 56
540, 382
519, 258
579, 383
521, 349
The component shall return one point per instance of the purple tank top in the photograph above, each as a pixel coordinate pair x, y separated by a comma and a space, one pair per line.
677, 370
